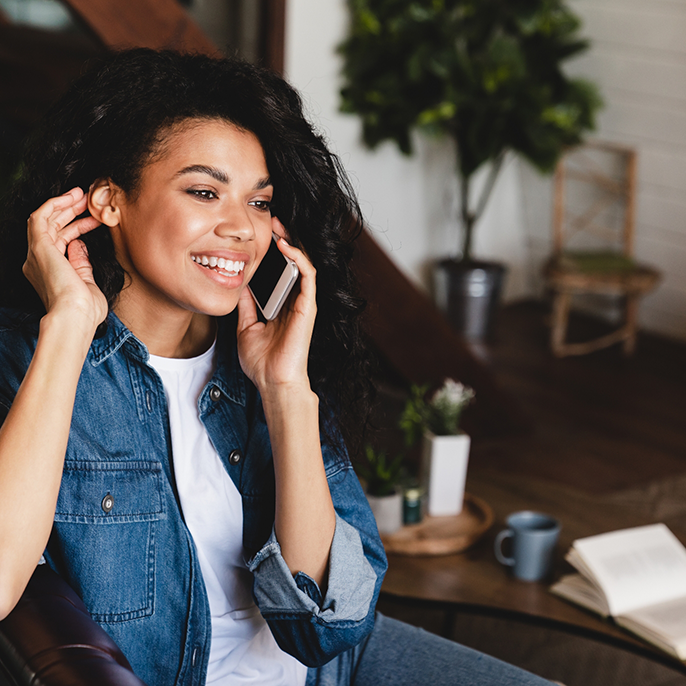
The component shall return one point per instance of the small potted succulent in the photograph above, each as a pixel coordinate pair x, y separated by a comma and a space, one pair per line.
381, 477
445, 450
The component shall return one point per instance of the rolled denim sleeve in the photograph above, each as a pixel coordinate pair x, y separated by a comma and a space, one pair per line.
309, 627
350, 589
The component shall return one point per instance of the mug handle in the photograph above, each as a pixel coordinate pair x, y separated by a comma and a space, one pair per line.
498, 548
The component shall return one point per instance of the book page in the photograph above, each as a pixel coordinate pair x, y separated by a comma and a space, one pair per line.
635, 567
661, 624
580, 590
667, 619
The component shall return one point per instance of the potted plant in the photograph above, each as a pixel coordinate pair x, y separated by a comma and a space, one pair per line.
445, 450
381, 477
488, 75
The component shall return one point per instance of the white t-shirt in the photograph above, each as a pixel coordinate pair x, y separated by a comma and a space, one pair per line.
243, 650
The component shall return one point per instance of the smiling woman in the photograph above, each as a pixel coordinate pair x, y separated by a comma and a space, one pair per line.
180, 463
203, 201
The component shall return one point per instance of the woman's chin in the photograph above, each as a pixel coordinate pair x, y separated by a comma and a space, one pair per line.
219, 307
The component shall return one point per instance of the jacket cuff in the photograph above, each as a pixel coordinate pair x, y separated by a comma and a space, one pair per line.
350, 589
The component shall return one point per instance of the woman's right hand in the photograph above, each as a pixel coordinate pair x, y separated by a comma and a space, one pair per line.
64, 283
45, 399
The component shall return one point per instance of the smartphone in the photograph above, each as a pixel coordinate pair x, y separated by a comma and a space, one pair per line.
272, 281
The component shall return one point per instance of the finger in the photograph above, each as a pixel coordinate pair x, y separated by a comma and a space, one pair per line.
298, 256
78, 228
78, 258
56, 213
307, 271
60, 202
73, 195
76, 193
66, 215
247, 311
278, 228
305, 267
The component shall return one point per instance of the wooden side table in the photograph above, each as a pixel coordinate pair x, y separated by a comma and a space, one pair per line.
474, 581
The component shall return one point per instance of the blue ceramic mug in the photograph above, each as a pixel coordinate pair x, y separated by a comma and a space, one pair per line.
534, 536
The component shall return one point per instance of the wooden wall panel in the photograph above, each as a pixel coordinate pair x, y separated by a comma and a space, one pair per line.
416, 340
144, 23
36, 67
634, 24
274, 34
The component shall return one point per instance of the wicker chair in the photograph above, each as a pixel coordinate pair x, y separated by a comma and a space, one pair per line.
593, 248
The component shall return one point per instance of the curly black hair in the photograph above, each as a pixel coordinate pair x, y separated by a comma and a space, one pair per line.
115, 117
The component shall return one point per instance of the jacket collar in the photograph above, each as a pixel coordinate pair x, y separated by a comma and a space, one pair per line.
114, 337
229, 377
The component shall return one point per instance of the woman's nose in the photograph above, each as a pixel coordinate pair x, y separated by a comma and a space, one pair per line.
236, 224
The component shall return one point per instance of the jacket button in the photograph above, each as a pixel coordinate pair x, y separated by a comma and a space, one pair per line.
215, 394
235, 457
107, 503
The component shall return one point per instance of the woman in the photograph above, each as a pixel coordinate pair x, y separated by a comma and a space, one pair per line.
179, 462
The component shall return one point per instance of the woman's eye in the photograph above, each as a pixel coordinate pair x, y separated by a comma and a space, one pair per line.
203, 193
263, 205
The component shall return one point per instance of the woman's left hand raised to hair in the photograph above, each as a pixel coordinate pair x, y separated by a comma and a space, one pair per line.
274, 354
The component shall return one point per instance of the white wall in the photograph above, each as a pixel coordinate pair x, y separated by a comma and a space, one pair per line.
409, 203
639, 60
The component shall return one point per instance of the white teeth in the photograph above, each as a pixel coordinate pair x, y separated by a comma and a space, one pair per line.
231, 267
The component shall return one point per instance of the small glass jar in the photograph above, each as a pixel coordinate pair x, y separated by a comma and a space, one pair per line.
412, 506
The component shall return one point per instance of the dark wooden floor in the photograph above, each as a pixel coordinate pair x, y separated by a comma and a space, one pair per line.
598, 423
607, 437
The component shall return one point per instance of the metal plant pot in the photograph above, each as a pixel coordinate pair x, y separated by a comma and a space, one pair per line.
469, 293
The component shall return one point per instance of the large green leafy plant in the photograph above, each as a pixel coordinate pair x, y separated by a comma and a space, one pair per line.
485, 72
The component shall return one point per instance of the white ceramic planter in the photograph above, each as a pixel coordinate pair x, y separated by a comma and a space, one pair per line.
444, 470
388, 512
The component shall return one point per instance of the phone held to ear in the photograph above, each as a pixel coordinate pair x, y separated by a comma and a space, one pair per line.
272, 281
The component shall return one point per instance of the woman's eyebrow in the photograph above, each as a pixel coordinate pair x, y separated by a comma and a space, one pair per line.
220, 175
214, 172
263, 183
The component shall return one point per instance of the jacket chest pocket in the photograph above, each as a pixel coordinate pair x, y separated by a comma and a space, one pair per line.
105, 525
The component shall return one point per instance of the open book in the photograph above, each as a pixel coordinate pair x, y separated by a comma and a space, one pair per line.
637, 576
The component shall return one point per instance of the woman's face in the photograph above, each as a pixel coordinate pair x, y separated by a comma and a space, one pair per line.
199, 224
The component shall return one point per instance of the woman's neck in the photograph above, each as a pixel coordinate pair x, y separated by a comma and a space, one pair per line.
177, 333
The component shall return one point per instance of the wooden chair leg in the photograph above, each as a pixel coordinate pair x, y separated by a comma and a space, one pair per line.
629, 345
558, 332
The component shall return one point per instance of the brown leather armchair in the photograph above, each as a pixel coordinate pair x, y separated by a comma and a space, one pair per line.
49, 639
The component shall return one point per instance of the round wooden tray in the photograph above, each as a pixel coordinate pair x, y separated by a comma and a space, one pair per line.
443, 535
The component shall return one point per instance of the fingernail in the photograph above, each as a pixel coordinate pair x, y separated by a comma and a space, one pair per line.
284, 241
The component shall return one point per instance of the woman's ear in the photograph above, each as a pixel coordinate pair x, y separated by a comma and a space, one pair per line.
102, 202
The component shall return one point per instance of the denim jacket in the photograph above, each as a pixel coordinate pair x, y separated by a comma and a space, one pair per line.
119, 538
